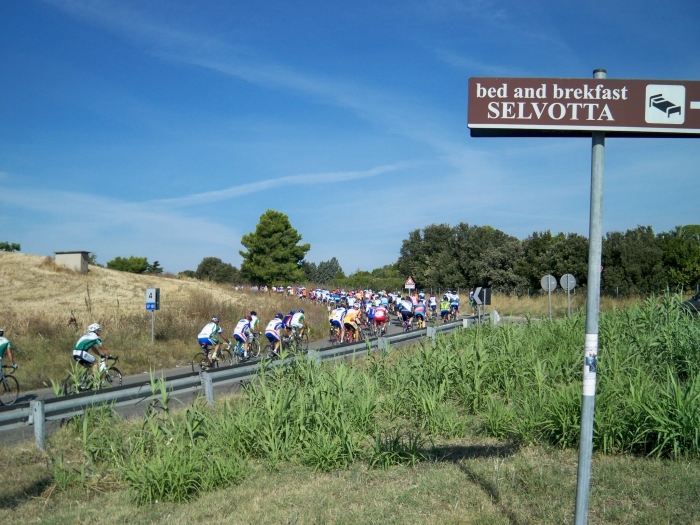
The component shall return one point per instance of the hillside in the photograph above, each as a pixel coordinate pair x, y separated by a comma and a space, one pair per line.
29, 283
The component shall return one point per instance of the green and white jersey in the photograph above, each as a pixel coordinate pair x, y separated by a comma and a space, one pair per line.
86, 342
4, 345
210, 331
254, 324
298, 319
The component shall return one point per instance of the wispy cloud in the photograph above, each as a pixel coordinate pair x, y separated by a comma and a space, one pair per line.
473, 66
254, 187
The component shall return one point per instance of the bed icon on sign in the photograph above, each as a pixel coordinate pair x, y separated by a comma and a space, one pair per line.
665, 104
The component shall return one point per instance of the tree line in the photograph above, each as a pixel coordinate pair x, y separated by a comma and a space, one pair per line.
444, 256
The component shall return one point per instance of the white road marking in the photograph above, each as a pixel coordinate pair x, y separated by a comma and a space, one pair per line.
695, 104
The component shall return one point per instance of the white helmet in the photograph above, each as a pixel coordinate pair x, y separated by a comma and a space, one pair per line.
94, 327
214, 319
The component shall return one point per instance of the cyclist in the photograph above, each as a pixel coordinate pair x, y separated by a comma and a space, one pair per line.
381, 315
472, 302
298, 322
337, 317
287, 321
6, 347
350, 321
454, 303
90, 341
444, 309
405, 309
272, 332
254, 324
242, 332
209, 337
419, 312
432, 304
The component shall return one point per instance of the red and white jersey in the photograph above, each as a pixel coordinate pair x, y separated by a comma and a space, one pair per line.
380, 313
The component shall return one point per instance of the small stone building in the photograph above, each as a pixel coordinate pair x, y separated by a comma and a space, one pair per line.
77, 261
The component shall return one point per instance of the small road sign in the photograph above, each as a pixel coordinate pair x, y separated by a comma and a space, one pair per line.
410, 284
549, 283
153, 299
477, 295
568, 282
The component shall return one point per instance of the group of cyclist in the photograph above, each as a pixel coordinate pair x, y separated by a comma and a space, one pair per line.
347, 311
294, 323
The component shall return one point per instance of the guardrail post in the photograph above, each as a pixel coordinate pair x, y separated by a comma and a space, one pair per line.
39, 420
431, 332
314, 356
383, 344
208, 388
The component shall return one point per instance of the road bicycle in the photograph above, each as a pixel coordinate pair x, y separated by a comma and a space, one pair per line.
254, 347
10, 386
300, 342
371, 328
407, 325
85, 379
202, 361
335, 336
453, 314
420, 323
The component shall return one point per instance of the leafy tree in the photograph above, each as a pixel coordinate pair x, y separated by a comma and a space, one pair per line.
544, 253
681, 256
9, 247
633, 261
132, 264
427, 256
92, 260
214, 269
154, 268
273, 254
328, 270
188, 273
310, 271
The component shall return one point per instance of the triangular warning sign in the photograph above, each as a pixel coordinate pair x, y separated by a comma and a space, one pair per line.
409, 283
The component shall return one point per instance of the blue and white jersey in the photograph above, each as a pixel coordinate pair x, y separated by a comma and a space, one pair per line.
274, 327
432, 302
454, 300
242, 328
406, 306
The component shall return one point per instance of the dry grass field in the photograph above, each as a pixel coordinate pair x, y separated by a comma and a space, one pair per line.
40, 300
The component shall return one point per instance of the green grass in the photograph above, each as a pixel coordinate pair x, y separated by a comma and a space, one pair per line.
488, 417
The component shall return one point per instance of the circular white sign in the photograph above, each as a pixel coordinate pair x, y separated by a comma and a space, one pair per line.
567, 282
549, 283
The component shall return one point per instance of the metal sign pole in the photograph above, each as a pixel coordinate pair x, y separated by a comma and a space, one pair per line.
590, 354
549, 301
153, 319
568, 300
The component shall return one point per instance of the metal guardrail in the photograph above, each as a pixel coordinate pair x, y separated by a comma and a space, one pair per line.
36, 413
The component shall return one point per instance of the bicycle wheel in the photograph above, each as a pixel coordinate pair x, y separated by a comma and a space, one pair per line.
69, 386
225, 358
112, 377
303, 342
199, 362
254, 348
9, 391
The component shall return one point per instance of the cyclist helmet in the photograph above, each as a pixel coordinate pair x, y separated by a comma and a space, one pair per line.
253, 312
94, 327
292, 312
248, 317
2, 332
301, 311
421, 295
214, 319
444, 298
279, 315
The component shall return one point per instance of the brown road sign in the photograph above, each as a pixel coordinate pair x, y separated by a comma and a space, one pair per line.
579, 106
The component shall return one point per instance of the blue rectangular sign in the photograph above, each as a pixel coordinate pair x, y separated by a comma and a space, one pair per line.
150, 306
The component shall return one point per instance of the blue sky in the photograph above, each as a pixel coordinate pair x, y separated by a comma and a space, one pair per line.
165, 129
